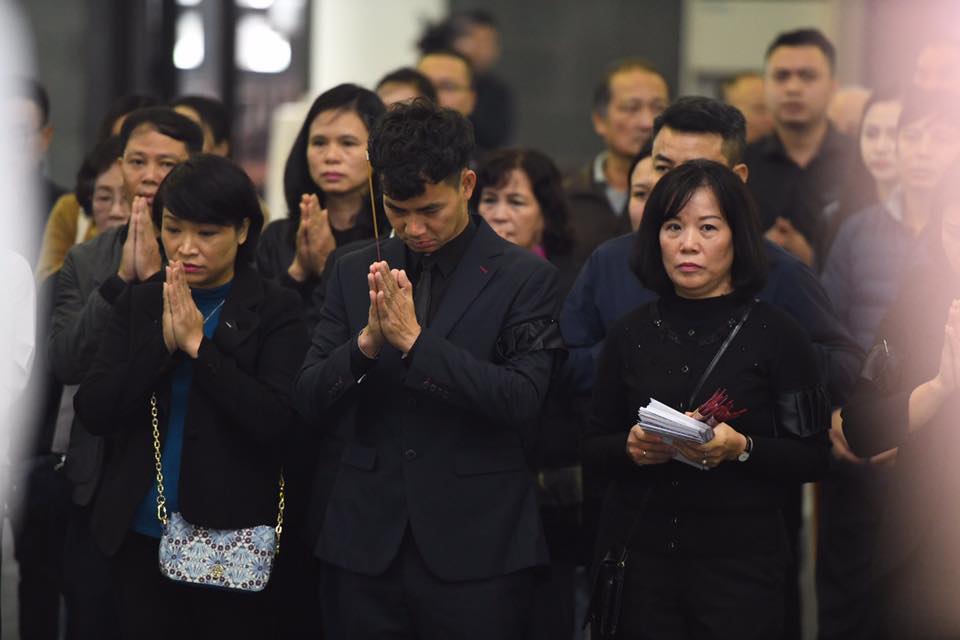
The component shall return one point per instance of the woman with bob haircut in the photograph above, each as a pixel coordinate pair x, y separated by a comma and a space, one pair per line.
700, 525
218, 347
520, 195
326, 186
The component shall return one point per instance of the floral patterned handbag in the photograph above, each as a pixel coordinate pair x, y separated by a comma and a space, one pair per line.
237, 559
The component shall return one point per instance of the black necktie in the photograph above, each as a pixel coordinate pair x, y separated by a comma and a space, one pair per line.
421, 293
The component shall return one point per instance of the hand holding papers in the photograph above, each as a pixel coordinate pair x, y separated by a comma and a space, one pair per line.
671, 425
691, 431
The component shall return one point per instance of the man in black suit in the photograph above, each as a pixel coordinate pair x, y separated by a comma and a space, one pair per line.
431, 362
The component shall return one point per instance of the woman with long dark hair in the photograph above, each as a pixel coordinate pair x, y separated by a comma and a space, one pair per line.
326, 186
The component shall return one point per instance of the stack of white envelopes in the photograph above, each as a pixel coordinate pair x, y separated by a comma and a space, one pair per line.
670, 424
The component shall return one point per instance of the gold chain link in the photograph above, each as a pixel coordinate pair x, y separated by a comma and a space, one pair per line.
155, 423
282, 506
162, 500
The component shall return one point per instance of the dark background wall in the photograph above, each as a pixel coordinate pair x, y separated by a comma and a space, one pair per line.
555, 50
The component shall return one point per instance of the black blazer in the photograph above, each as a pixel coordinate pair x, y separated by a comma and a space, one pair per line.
239, 410
437, 440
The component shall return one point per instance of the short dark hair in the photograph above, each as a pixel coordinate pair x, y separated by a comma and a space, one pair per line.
919, 105
209, 189
165, 121
547, 184
475, 18
698, 114
296, 173
419, 143
213, 113
120, 107
441, 35
453, 53
32, 90
728, 83
602, 93
413, 78
671, 195
807, 37
103, 156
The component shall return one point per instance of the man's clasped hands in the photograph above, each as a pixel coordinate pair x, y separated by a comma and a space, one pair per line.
392, 318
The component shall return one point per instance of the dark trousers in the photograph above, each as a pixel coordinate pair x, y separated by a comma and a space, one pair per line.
40, 502
152, 606
87, 586
409, 602
851, 506
703, 598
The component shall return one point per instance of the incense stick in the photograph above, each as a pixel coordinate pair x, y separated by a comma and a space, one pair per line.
373, 206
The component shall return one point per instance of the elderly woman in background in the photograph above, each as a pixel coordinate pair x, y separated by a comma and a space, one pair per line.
66, 224
705, 551
909, 397
99, 192
520, 195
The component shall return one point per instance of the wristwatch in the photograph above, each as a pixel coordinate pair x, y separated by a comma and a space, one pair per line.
743, 457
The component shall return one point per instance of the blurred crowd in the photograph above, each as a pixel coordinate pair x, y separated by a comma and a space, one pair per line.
791, 241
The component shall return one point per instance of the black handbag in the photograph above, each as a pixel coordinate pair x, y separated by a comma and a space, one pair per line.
606, 599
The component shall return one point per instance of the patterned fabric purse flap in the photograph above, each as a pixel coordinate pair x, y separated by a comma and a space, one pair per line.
239, 559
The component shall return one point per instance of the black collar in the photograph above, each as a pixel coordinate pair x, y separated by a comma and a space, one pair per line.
833, 143
447, 257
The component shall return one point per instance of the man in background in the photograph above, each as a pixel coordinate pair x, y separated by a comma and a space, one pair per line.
745, 92
628, 98
797, 171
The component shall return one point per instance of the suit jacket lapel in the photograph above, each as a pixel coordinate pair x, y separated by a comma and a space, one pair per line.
475, 270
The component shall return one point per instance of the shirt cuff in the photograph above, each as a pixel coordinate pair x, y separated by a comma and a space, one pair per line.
407, 358
360, 364
112, 287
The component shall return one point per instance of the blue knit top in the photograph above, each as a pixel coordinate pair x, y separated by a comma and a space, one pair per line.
210, 303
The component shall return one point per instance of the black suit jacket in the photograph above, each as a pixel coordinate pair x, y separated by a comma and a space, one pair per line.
239, 413
437, 439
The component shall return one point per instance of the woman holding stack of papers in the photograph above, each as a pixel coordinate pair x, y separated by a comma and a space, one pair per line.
691, 533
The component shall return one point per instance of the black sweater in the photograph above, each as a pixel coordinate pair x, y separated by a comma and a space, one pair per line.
659, 351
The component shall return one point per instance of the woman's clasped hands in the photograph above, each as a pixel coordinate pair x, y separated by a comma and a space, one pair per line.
182, 320
314, 242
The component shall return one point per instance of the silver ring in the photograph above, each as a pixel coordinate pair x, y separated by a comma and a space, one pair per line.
644, 452
704, 462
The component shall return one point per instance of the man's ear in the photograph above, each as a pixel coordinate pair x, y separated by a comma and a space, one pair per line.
742, 171
599, 124
468, 182
46, 137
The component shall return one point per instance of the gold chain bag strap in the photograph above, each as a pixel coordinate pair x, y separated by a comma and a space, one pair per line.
236, 559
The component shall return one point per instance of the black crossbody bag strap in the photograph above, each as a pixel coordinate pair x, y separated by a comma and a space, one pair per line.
611, 588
